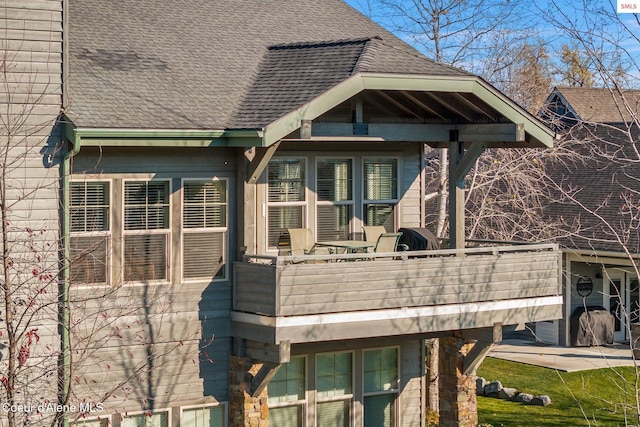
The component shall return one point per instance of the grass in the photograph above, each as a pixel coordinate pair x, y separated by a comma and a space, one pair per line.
599, 397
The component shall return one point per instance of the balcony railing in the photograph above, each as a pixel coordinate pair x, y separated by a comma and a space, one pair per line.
452, 289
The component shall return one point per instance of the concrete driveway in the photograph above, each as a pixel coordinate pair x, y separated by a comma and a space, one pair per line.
568, 359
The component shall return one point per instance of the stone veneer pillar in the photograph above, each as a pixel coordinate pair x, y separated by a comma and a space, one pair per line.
458, 404
245, 410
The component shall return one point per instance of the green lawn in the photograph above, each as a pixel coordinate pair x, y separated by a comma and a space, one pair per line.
600, 397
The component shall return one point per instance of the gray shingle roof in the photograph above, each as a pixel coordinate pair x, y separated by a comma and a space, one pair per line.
203, 64
597, 105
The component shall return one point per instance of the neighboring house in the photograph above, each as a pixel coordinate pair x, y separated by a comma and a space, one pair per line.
604, 246
194, 134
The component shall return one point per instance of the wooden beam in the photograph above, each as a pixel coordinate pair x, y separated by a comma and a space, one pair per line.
398, 104
276, 353
492, 134
261, 379
485, 338
421, 104
305, 129
475, 107
260, 161
468, 160
450, 106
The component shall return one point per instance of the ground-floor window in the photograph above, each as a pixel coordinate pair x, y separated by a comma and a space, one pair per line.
146, 419
381, 381
334, 388
287, 393
204, 416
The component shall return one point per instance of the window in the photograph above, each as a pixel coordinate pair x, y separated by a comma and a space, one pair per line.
89, 231
286, 197
156, 419
204, 224
204, 416
380, 183
95, 422
334, 189
334, 389
287, 394
380, 387
146, 230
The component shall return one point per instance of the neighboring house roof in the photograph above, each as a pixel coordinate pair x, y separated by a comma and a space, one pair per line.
597, 105
604, 178
199, 64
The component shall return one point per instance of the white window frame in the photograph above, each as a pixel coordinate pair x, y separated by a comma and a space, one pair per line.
351, 203
350, 396
108, 234
224, 230
303, 204
157, 411
208, 405
395, 202
303, 403
167, 232
78, 422
395, 390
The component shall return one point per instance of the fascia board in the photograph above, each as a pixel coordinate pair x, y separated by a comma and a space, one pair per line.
164, 137
509, 109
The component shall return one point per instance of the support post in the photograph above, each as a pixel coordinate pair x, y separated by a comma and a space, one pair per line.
458, 404
456, 193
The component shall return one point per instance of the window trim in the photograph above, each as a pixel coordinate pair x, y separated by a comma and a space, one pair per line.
108, 234
155, 411
303, 204
395, 202
168, 232
224, 230
224, 405
352, 202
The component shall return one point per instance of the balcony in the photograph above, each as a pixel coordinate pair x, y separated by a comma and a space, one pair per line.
329, 297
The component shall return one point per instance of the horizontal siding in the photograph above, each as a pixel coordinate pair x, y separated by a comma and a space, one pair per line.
30, 102
411, 384
412, 283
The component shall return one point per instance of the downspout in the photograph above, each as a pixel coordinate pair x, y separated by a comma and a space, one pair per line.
64, 315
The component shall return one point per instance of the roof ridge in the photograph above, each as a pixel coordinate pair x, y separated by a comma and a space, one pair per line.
322, 43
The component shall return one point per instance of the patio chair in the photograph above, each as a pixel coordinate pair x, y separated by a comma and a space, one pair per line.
372, 232
388, 242
302, 243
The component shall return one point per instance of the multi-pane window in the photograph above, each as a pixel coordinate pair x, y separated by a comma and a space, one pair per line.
380, 184
287, 394
334, 189
286, 197
95, 422
334, 385
155, 419
89, 238
146, 230
380, 387
204, 224
204, 416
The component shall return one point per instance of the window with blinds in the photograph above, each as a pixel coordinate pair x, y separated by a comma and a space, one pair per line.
287, 391
380, 184
334, 192
204, 226
334, 385
95, 422
156, 419
146, 230
205, 416
89, 231
286, 199
381, 384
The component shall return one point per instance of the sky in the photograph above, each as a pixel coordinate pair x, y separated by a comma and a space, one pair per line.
595, 20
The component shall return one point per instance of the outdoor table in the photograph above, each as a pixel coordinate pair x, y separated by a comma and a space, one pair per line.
349, 246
